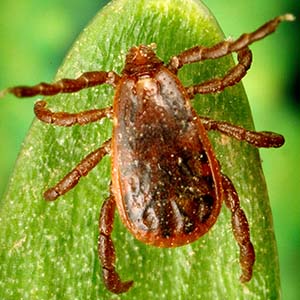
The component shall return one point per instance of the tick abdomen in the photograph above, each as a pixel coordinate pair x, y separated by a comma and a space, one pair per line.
164, 178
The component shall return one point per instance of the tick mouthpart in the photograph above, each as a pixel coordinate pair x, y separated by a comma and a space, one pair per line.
140, 60
141, 54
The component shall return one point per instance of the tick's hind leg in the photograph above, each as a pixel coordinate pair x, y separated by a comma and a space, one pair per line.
264, 139
82, 169
240, 229
106, 249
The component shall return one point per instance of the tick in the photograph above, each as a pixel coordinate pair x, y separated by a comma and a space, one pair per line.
166, 180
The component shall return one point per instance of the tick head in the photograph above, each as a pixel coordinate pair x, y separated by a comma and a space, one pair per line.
141, 60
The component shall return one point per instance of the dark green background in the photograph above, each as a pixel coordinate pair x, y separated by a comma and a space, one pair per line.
35, 36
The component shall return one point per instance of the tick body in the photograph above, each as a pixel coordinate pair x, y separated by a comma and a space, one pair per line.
164, 178
167, 183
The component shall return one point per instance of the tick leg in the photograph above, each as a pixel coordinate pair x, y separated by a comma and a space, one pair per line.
240, 229
86, 80
231, 78
258, 139
106, 249
68, 119
82, 169
200, 53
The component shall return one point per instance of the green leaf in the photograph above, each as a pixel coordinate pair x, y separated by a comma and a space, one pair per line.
49, 250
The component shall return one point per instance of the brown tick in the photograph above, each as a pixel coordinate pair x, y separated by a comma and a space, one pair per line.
166, 180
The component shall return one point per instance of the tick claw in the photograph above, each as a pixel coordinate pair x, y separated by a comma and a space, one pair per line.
51, 195
3, 93
113, 282
288, 17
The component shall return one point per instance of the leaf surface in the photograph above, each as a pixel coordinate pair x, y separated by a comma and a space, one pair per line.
49, 250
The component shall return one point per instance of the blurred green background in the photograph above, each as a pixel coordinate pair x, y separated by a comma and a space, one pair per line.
36, 35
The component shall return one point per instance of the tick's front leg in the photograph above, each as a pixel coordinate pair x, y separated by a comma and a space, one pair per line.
264, 139
65, 85
240, 229
200, 53
106, 249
